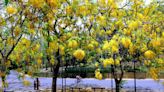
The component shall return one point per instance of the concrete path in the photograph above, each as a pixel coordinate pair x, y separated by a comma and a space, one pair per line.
45, 83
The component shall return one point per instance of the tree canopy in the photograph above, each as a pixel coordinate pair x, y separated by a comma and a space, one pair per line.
101, 33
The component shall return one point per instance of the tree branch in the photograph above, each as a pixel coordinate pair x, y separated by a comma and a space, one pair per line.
14, 46
122, 72
21, 24
1, 53
90, 27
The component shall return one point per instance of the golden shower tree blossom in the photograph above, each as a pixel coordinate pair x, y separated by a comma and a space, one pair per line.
79, 54
57, 33
11, 10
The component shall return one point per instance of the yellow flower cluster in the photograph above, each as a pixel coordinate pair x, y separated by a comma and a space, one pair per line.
117, 61
160, 61
26, 42
53, 3
52, 60
134, 24
99, 51
111, 61
37, 3
147, 62
107, 62
11, 10
113, 44
95, 43
127, 32
82, 10
102, 3
17, 31
154, 73
143, 48
90, 46
39, 61
132, 49
98, 75
140, 16
53, 47
36, 47
72, 44
126, 42
119, 23
69, 10
10, 41
105, 46
156, 42
149, 54
79, 54
109, 32
61, 50
96, 64
101, 20
2, 21
31, 31
163, 34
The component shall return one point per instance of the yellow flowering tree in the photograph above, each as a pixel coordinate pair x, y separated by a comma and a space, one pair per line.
103, 32
19, 41
11, 32
132, 34
27, 58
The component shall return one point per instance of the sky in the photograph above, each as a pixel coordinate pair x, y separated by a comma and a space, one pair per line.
147, 1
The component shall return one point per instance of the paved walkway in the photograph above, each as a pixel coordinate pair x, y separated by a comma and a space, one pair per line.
45, 83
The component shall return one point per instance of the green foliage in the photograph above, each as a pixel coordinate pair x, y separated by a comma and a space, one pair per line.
86, 70
6, 2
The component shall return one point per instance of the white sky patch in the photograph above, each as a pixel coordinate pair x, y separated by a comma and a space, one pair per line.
147, 2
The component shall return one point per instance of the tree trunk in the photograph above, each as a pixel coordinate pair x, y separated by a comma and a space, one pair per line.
3, 70
117, 86
55, 73
117, 77
38, 83
54, 78
3, 82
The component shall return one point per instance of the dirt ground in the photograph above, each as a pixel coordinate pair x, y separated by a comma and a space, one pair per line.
101, 90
